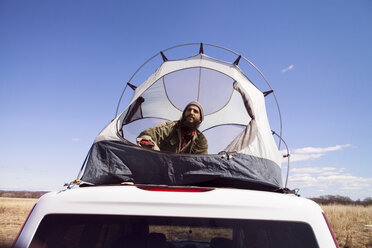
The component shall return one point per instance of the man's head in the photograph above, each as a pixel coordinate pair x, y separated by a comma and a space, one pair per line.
192, 116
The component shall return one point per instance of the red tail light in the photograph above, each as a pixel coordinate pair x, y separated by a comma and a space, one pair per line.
330, 229
174, 189
23, 225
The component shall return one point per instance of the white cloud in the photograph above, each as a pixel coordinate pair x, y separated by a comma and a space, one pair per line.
314, 170
307, 150
75, 139
302, 157
311, 153
287, 69
15, 167
328, 180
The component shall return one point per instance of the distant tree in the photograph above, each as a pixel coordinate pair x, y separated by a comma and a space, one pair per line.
343, 200
22, 194
367, 201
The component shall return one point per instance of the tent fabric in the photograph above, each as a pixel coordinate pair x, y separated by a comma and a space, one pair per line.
155, 104
112, 162
245, 101
255, 162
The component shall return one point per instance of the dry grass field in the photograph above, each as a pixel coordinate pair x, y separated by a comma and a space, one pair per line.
348, 222
13, 212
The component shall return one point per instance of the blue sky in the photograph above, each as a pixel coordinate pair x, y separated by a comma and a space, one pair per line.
63, 65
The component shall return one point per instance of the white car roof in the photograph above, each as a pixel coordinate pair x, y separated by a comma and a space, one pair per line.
180, 202
132, 200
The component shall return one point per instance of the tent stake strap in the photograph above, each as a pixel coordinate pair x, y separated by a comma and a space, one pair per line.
236, 62
266, 93
165, 59
201, 50
133, 87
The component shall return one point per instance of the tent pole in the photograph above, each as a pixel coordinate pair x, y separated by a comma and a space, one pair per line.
284, 156
223, 48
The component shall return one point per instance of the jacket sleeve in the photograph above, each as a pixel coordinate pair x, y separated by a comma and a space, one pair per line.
155, 134
201, 146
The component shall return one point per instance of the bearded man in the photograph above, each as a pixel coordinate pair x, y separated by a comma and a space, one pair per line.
180, 136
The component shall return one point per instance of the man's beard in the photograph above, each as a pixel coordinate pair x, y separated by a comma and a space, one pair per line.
187, 126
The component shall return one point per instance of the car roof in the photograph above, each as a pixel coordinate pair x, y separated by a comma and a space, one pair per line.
177, 201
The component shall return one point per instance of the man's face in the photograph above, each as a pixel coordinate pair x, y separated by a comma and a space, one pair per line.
192, 115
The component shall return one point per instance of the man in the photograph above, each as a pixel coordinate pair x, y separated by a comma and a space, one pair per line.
180, 136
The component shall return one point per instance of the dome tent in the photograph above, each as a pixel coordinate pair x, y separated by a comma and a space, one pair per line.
250, 158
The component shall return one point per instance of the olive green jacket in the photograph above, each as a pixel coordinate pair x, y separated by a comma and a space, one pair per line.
167, 137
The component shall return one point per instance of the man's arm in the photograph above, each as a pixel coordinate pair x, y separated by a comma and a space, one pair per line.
147, 139
201, 146
151, 137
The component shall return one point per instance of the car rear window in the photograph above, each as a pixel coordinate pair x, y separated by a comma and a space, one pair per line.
112, 231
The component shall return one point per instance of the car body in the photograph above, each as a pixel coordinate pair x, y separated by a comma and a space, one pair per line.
162, 216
